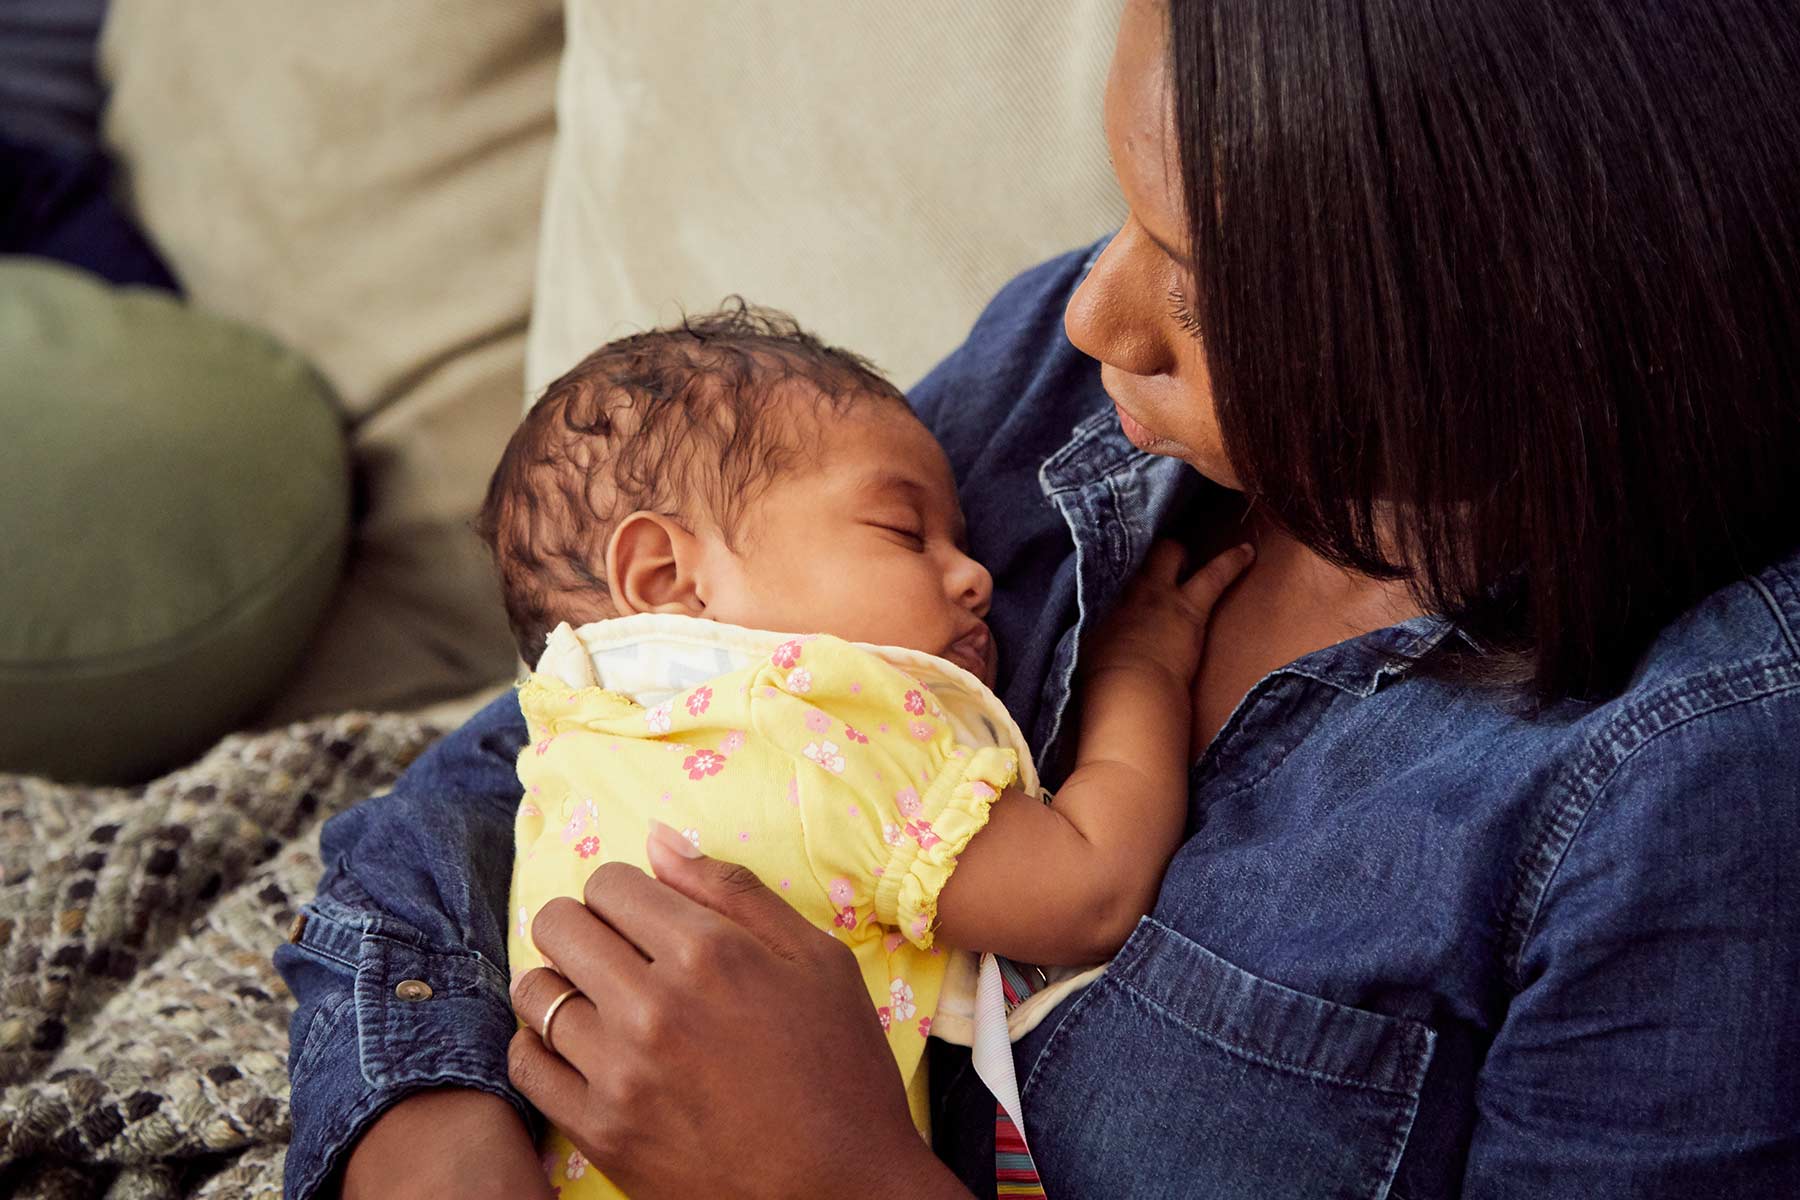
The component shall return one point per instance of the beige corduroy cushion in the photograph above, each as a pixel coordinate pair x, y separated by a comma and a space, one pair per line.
877, 169
364, 182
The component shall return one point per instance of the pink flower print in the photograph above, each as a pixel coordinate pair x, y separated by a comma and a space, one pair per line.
698, 701
794, 790
924, 1026
922, 730
856, 689
524, 921
693, 837
577, 1165
915, 704
743, 835
658, 718
826, 755
702, 763
530, 810
734, 741
588, 846
886, 1018
920, 924
544, 745
846, 918
840, 891
817, 721
800, 681
850, 732
983, 791
786, 654
908, 801
891, 942
900, 995
890, 833
575, 828
920, 832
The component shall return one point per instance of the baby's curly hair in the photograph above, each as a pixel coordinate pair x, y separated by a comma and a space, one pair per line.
677, 421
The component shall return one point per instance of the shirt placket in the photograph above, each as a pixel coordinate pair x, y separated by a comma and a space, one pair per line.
1112, 497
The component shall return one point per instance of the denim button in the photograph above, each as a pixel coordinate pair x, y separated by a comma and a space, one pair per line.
413, 989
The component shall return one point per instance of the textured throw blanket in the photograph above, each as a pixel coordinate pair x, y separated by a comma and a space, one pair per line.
143, 1032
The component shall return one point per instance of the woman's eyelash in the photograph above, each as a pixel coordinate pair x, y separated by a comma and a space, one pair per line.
1183, 312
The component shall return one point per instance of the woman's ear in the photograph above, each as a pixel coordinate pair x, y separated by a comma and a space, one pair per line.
652, 565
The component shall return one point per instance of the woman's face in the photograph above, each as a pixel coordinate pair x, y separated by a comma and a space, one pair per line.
1132, 312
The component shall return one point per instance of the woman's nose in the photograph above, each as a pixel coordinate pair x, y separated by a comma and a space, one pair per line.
1107, 317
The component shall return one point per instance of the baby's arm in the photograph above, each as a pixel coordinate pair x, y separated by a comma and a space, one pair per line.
1065, 883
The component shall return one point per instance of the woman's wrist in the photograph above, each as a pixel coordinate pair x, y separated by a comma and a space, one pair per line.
446, 1143
921, 1176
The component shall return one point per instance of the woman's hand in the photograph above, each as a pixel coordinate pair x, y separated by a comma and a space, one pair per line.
721, 1045
446, 1144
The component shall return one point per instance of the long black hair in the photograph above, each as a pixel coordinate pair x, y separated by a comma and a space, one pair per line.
1503, 297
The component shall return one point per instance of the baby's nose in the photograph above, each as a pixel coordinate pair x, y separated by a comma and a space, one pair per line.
974, 586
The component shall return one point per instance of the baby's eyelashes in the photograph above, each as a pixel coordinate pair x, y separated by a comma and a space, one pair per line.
913, 537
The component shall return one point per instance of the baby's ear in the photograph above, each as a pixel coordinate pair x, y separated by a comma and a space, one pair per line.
651, 566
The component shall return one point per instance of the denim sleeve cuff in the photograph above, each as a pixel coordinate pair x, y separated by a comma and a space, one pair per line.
414, 1019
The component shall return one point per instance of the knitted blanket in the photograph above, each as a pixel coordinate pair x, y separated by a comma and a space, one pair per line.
143, 1031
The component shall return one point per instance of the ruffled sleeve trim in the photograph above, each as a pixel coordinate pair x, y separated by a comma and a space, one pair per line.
952, 811
552, 707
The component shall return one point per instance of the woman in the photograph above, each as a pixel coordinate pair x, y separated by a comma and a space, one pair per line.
1489, 315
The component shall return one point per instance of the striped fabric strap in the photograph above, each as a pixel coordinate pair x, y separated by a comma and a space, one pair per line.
1014, 1172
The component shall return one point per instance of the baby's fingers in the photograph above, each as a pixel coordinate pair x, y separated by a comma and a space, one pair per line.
1204, 587
1162, 566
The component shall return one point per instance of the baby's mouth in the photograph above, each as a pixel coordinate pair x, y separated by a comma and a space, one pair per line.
973, 652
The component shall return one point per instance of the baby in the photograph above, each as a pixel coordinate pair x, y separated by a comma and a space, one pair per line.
738, 561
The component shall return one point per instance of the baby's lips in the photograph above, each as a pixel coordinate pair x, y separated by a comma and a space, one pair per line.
974, 649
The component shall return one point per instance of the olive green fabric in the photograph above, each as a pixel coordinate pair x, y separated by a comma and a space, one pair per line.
174, 506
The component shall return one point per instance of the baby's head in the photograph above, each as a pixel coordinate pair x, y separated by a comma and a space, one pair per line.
735, 468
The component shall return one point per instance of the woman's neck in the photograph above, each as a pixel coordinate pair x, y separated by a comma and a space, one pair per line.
1288, 604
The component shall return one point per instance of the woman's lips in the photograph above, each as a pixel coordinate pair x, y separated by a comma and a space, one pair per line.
1136, 432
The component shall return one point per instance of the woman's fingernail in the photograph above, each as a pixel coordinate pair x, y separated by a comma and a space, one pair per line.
672, 841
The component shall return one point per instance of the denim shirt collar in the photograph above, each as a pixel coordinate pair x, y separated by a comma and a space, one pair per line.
1091, 464
1362, 664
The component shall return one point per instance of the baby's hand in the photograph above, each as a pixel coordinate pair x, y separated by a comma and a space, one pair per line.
1160, 624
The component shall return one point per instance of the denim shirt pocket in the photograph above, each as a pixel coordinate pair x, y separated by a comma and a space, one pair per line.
1194, 1077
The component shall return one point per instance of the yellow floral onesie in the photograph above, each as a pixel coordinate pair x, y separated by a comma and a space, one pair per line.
836, 775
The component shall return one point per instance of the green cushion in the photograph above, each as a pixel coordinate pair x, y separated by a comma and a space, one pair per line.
174, 507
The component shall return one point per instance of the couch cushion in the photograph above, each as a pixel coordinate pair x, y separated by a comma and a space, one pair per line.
363, 181
879, 170
174, 496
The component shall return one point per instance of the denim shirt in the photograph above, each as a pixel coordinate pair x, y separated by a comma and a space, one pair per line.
1418, 943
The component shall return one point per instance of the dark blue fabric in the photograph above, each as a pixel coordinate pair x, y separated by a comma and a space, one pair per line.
50, 91
1418, 944
57, 203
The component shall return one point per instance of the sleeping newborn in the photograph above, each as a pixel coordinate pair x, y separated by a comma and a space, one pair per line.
738, 562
